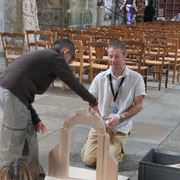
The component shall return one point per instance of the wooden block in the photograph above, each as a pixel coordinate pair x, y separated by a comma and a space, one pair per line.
59, 164
100, 157
83, 174
107, 167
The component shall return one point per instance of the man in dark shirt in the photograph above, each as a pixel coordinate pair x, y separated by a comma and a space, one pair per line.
27, 76
149, 12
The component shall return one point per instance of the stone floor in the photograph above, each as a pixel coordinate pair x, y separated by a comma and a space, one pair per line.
156, 126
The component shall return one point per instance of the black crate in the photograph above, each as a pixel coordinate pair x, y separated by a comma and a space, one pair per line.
153, 165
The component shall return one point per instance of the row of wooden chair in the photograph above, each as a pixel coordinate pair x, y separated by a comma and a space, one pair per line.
91, 56
13, 44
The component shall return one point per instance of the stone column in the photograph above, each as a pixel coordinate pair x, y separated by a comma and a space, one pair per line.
100, 16
1, 24
1, 15
29, 15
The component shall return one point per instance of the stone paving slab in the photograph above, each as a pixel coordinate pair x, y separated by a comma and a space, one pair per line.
150, 133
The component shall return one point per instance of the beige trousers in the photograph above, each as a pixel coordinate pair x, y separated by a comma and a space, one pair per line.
89, 151
17, 132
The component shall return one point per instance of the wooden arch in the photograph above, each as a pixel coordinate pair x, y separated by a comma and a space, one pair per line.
107, 166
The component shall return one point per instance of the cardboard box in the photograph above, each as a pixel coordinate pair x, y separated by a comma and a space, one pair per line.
155, 165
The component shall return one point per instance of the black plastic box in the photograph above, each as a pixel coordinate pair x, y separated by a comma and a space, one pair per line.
153, 165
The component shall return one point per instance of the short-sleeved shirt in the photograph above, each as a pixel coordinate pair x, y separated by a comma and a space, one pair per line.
132, 86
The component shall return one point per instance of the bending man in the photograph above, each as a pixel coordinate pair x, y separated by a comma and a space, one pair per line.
27, 76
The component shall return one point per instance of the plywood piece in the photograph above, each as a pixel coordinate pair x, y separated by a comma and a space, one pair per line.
83, 173
59, 156
92, 120
100, 157
59, 164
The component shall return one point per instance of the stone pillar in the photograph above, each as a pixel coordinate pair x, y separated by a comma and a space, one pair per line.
1, 15
100, 16
1, 24
29, 15
20, 15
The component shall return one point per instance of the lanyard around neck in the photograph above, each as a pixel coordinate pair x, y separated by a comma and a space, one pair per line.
112, 89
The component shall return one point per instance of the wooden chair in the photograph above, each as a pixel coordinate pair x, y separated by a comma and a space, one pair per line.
85, 42
98, 58
43, 39
30, 39
155, 49
135, 58
13, 44
172, 55
107, 166
78, 65
62, 33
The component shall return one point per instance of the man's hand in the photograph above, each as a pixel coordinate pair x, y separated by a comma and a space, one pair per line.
40, 127
95, 108
113, 121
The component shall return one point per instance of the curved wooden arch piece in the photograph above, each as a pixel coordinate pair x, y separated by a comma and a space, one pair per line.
107, 166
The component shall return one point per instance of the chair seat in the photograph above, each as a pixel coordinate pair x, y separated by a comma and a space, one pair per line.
136, 67
86, 57
152, 62
77, 64
44, 43
12, 56
100, 66
169, 59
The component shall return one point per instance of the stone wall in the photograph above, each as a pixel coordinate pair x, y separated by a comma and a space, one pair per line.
82, 14
53, 13
20, 15
74, 14
12, 16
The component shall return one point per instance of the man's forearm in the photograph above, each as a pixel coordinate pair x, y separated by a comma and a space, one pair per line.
134, 109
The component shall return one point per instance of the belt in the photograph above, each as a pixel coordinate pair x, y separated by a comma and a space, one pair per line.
109, 131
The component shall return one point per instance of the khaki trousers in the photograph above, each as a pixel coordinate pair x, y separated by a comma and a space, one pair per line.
89, 151
17, 132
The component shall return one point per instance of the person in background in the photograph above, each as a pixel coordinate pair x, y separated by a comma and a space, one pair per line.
27, 76
149, 12
19, 168
130, 9
120, 92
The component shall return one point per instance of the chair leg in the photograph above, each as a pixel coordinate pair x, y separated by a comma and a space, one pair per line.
63, 86
160, 78
145, 79
167, 75
6, 62
52, 85
178, 73
91, 75
174, 73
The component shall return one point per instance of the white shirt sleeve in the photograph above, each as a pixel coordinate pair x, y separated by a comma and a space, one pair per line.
94, 87
140, 87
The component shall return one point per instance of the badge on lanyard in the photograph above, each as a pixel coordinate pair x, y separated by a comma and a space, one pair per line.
114, 108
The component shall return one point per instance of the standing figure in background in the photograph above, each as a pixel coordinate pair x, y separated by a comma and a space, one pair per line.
149, 12
130, 9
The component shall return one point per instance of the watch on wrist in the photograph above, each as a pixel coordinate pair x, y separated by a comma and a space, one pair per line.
122, 117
